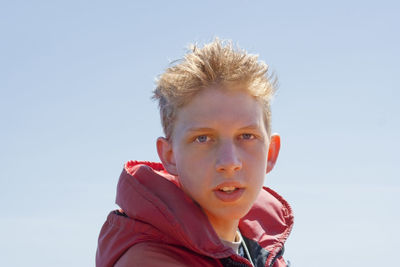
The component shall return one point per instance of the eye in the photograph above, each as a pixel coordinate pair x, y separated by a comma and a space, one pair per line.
202, 139
247, 136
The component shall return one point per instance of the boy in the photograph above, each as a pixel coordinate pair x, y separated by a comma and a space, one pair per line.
205, 205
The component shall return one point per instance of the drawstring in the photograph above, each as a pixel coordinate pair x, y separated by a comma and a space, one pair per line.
245, 249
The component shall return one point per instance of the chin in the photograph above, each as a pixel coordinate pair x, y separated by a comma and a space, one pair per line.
236, 213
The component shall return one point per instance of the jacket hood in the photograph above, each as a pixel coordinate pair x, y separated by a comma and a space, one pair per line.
154, 197
162, 212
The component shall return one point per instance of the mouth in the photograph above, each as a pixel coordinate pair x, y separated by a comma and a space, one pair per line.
228, 189
229, 192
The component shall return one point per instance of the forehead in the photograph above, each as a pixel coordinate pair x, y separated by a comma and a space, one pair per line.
220, 108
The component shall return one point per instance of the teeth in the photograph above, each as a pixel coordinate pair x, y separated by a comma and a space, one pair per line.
227, 188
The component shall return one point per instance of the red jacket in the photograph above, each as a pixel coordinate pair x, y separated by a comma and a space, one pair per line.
166, 225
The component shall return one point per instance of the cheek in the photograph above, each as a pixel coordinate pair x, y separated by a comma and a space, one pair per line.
196, 177
256, 157
256, 168
193, 160
190, 167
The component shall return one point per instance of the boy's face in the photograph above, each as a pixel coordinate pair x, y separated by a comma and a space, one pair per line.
219, 151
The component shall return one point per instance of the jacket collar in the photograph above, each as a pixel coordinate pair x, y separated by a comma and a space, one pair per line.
146, 192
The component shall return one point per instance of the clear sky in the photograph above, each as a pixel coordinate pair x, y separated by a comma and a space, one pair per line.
75, 86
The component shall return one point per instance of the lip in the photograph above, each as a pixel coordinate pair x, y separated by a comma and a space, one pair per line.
229, 197
229, 184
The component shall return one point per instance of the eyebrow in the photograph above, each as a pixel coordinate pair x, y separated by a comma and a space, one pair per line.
200, 129
251, 127
207, 129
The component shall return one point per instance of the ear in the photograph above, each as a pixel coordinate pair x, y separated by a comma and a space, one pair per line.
273, 151
166, 155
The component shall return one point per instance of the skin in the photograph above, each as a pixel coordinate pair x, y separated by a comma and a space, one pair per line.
220, 138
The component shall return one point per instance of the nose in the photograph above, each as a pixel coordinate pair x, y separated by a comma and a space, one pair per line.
228, 159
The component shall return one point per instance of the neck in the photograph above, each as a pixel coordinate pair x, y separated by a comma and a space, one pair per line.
225, 229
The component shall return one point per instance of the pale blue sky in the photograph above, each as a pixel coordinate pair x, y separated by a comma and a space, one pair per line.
75, 86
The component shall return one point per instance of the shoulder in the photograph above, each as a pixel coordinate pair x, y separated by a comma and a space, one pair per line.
152, 254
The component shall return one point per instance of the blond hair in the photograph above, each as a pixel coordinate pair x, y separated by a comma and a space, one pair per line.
216, 63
